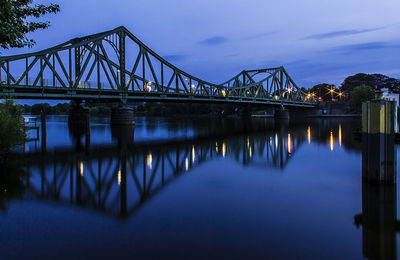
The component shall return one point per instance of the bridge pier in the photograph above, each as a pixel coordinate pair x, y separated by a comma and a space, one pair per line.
281, 113
122, 115
79, 124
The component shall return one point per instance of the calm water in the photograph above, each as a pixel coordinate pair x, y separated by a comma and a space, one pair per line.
184, 188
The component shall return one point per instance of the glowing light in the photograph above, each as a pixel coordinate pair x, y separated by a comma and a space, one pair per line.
248, 142
186, 164
193, 154
276, 141
223, 149
223, 93
289, 143
331, 141
216, 147
119, 177
309, 134
289, 90
340, 134
148, 86
149, 161
276, 97
250, 152
81, 168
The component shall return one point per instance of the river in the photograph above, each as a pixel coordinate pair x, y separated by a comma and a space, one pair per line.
188, 188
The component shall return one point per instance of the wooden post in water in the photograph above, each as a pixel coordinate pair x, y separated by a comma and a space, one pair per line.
44, 130
379, 155
379, 172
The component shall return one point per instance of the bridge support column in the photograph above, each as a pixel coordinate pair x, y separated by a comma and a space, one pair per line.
282, 113
122, 115
78, 124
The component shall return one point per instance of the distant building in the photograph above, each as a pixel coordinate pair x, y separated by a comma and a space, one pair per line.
390, 96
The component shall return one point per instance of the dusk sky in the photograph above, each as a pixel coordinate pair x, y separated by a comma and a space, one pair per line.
316, 40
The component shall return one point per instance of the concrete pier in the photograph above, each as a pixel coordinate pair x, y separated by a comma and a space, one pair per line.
79, 124
122, 115
282, 113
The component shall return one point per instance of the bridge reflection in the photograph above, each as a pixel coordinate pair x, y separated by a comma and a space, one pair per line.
118, 179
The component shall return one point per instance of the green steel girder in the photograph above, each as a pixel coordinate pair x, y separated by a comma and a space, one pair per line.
101, 62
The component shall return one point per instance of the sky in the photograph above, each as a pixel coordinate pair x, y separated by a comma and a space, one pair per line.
317, 41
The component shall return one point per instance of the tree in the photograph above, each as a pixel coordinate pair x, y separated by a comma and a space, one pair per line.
16, 21
12, 127
359, 95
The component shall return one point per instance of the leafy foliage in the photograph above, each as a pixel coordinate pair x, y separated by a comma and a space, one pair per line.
376, 81
359, 95
12, 128
15, 21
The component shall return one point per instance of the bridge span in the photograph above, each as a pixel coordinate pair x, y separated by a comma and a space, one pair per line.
116, 66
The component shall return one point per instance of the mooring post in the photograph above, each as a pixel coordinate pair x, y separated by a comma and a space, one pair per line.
44, 129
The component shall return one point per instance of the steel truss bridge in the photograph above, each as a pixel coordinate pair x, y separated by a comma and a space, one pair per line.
116, 66
118, 180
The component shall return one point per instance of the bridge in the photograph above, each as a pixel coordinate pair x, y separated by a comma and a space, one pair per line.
116, 66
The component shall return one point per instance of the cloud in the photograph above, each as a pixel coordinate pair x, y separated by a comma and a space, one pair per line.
216, 40
174, 57
368, 46
327, 35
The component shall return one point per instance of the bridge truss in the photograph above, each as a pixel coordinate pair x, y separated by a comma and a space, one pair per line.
115, 65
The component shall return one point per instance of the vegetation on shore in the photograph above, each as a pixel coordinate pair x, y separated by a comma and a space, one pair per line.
12, 128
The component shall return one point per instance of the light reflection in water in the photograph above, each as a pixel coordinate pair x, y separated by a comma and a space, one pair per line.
193, 154
149, 161
276, 141
289, 143
223, 149
81, 168
119, 177
331, 141
186, 164
340, 134
309, 134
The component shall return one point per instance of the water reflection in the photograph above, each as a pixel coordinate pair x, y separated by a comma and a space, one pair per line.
118, 179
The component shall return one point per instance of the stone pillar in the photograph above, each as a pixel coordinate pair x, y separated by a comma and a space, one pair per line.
281, 113
78, 124
122, 115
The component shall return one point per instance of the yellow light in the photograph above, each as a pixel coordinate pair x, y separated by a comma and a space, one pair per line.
309, 134
193, 154
289, 143
290, 90
223, 93
248, 142
340, 134
276, 97
119, 177
216, 147
186, 164
331, 141
250, 152
149, 161
223, 149
81, 168
276, 141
